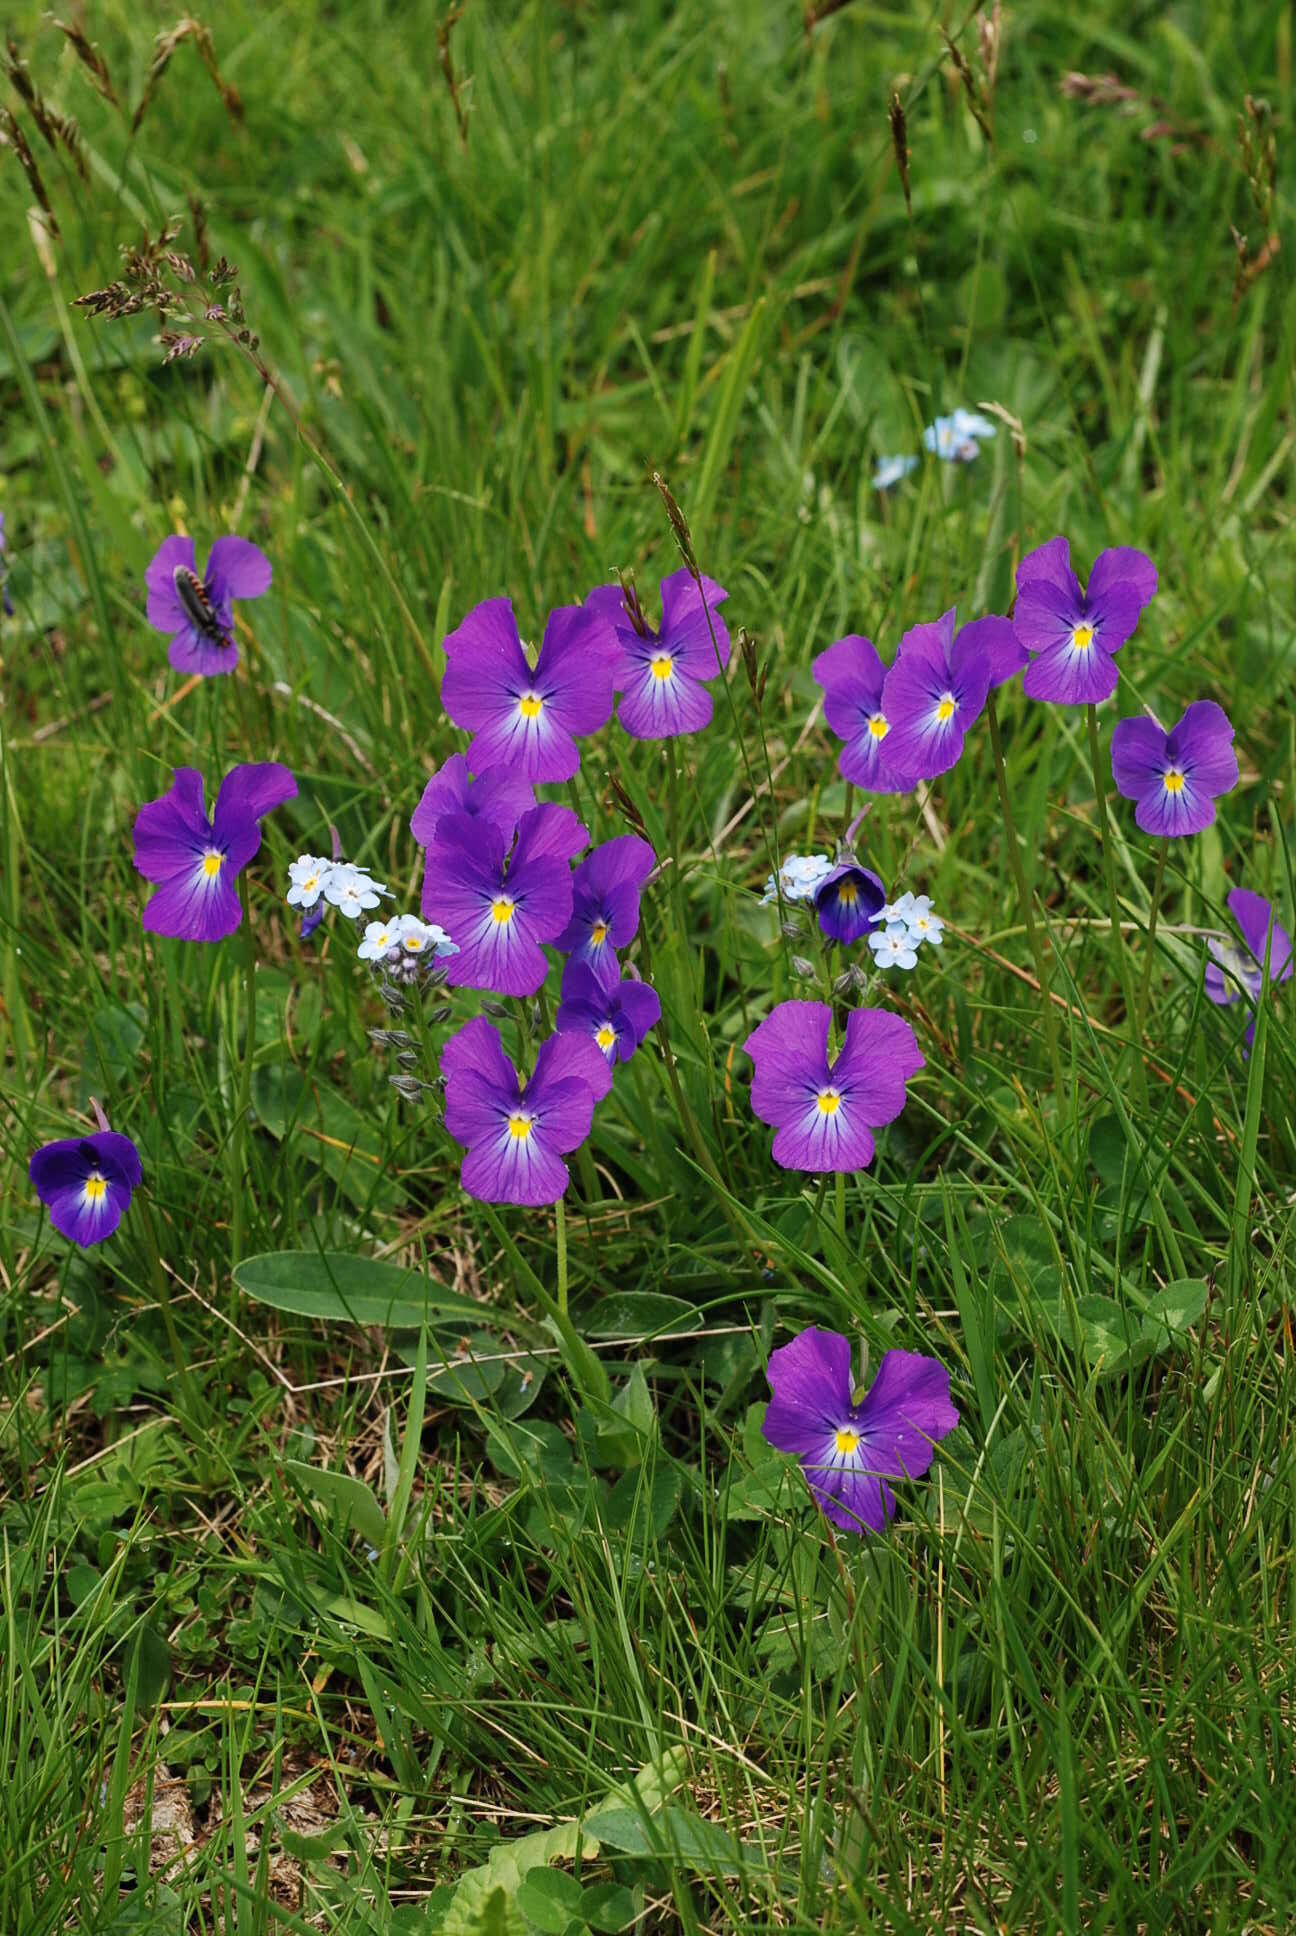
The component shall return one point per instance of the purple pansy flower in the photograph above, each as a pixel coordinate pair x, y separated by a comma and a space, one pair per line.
194, 862
849, 1446
498, 795
605, 903
1175, 777
852, 676
85, 1182
615, 1017
1233, 974
499, 906
937, 688
1073, 635
662, 673
849, 902
525, 719
197, 612
825, 1116
516, 1135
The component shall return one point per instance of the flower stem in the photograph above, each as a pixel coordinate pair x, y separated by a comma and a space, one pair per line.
560, 1224
238, 1146
1145, 988
1024, 903
1113, 901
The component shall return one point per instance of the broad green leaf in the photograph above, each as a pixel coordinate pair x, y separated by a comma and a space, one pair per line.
339, 1288
648, 1507
640, 1314
351, 1499
679, 1836
551, 1899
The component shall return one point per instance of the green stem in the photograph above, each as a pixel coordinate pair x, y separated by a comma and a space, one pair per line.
1145, 988
1024, 903
162, 1291
1113, 902
238, 1145
840, 1184
560, 1225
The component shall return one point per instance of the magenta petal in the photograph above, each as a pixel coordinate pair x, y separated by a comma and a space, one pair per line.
851, 669
1050, 563
1071, 678
929, 644
548, 831
477, 1046
1255, 917
1124, 566
1203, 742
164, 610
878, 1057
790, 1051
1046, 615
1175, 815
538, 749
907, 1409
190, 652
237, 568
685, 631
1139, 757
569, 1058
246, 794
654, 708
192, 907
446, 792
509, 1169
486, 667
813, 1141
171, 832
575, 669
811, 1383
1115, 616
993, 644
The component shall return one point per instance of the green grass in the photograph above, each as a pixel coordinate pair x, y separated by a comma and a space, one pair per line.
1058, 1695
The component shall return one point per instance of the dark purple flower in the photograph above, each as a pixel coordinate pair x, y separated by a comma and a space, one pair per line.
498, 795
1075, 634
605, 903
516, 1135
1175, 777
852, 676
85, 1182
849, 902
615, 1018
848, 1449
1234, 974
662, 673
498, 907
194, 862
937, 688
523, 719
825, 1116
197, 612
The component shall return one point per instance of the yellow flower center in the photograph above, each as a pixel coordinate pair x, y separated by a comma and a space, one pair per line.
947, 708
605, 1036
879, 725
95, 1187
530, 705
1174, 780
212, 862
662, 666
829, 1102
846, 1441
1082, 637
598, 933
847, 893
519, 1128
502, 910
413, 942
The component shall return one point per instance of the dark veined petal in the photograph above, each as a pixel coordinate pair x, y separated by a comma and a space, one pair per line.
171, 832
810, 1379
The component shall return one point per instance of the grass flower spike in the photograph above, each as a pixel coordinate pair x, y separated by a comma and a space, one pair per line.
86, 1182
194, 862
198, 612
850, 1445
662, 675
1074, 635
1175, 777
516, 1134
825, 1114
526, 718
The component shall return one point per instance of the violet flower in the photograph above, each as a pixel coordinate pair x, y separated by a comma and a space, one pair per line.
85, 1182
194, 862
937, 688
499, 906
849, 1444
526, 719
1234, 974
198, 612
849, 901
605, 903
663, 674
852, 676
615, 1017
1075, 634
517, 1134
498, 795
825, 1115
1175, 777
